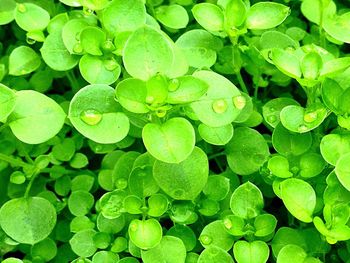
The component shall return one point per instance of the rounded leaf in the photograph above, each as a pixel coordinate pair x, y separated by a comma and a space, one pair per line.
36, 118
23, 60
299, 198
342, 170
94, 112
28, 220
334, 146
173, 16
170, 142
7, 101
209, 16
215, 254
251, 252
31, 17
184, 180
216, 135
145, 234
7, 11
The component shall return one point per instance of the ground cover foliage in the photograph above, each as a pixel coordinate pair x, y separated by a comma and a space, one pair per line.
175, 131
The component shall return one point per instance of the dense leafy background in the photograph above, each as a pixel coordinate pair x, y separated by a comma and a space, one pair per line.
177, 131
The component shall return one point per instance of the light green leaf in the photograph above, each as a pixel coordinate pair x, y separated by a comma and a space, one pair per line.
31, 17
184, 180
251, 252
209, 16
23, 60
214, 254
216, 135
172, 16
36, 118
342, 170
28, 220
7, 11
145, 234
7, 102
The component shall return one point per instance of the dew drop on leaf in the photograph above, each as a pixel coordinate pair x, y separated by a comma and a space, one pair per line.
220, 106
173, 85
161, 113
121, 183
310, 116
87, 11
272, 118
30, 41
239, 102
91, 117
227, 223
133, 226
205, 239
302, 128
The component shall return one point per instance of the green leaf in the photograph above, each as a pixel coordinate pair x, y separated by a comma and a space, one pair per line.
286, 62
235, 14
185, 233
265, 15
82, 243
279, 166
7, 11
184, 180
311, 165
291, 253
265, 225
214, 254
334, 146
46, 249
338, 27
218, 106
7, 101
247, 151
287, 143
55, 54
80, 202
71, 34
342, 170
98, 71
105, 257
120, 16
157, 205
247, 201
209, 16
299, 198
334, 66
23, 60
131, 94
173, 16
200, 47
28, 220
298, 119
186, 89
36, 118
92, 40
311, 9
215, 234
171, 250
170, 142
146, 53
94, 113
271, 110
216, 135
141, 182
217, 187
311, 65
31, 17
251, 252
145, 234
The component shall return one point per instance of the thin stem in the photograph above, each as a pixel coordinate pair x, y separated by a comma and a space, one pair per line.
72, 80
219, 165
29, 186
320, 28
63, 171
13, 161
256, 89
213, 156
26, 155
241, 82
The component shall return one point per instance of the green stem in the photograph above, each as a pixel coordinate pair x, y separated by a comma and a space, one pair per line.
50, 170
241, 82
320, 28
256, 89
72, 80
13, 161
213, 156
219, 165
30, 184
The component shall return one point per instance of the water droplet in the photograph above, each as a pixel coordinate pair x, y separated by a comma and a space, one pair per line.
239, 102
205, 239
173, 85
302, 128
150, 99
219, 106
290, 49
110, 64
78, 48
133, 226
271, 118
178, 193
91, 117
310, 116
87, 11
21, 8
121, 183
30, 41
227, 223
272, 109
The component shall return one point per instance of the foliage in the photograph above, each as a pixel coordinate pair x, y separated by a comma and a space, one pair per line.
176, 131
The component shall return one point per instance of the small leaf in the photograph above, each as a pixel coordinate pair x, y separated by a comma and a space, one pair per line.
215, 234
299, 198
265, 15
31, 17
209, 16
7, 101
171, 142
338, 27
7, 11
342, 170
286, 62
23, 60
172, 16
145, 234
28, 220
251, 252
214, 254
184, 180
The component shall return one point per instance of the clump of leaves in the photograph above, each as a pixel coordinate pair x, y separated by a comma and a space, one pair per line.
176, 131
